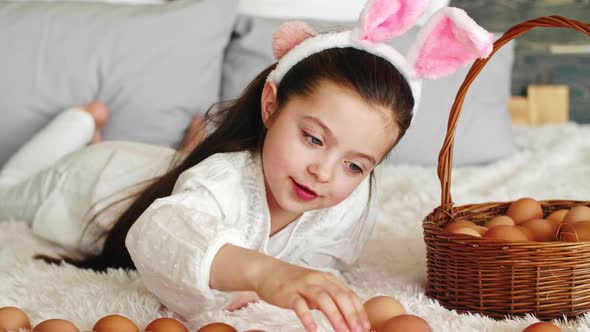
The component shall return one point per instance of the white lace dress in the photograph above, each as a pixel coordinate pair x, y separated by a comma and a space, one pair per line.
222, 200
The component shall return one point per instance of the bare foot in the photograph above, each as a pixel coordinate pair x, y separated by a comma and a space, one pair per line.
194, 135
100, 114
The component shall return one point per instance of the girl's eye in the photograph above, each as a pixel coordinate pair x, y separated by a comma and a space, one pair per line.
312, 139
355, 168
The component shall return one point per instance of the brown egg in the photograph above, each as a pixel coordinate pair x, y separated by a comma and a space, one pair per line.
575, 232
466, 231
506, 233
558, 215
480, 229
459, 224
12, 318
556, 223
405, 323
463, 224
524, 209
381, 308
543, 230
115, 323
542, 327
217, 327
577, 213
56, 325
529, 234
165, 325
500, 220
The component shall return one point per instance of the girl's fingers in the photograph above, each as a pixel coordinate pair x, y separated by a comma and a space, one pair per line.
350, 305
304, 313
327, 305
345, 301
360, 308
341, 306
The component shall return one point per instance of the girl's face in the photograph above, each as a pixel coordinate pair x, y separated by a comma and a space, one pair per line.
319, 148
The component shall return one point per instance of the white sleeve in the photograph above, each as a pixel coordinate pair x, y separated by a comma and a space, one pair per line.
173, 244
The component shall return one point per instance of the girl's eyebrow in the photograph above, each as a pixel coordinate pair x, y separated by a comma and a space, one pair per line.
321, 124
329, 132
366, 156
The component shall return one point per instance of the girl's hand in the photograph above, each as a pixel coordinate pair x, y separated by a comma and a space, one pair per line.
300, 289
242, 299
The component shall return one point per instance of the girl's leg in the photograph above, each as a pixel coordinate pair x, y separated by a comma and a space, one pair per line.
67, 132
27, 179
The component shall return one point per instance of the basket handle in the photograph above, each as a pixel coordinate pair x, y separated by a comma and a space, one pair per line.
445, 158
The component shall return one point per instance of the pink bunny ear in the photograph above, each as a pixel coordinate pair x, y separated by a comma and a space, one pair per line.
289, 35
382, 20
450, 40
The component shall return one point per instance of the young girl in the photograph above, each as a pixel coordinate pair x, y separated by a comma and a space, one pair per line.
276, 200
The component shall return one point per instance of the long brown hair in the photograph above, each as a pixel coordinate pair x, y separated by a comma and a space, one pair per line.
239, 127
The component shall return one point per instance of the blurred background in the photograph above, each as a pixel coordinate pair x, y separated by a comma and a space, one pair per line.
158, 63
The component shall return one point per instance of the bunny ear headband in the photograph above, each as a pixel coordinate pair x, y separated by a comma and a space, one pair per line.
448, 41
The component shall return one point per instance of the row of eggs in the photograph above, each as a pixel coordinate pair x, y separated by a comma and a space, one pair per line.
385, 313
524, 221
14, 319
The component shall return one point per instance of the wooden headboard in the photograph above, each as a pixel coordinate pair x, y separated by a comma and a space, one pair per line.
543, 104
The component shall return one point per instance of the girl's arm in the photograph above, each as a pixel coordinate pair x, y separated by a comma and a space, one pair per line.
190, 256
289, 286
172, 245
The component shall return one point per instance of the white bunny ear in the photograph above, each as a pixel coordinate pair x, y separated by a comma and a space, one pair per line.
450, 40
382, 20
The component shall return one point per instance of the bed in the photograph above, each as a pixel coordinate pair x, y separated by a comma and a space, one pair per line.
552, 162
552, 159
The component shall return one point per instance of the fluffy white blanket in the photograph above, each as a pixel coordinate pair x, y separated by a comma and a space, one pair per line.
553, 163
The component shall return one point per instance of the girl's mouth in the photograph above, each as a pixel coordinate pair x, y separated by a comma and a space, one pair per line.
303, 192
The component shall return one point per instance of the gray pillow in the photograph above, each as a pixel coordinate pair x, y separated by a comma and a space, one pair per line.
484, 130
155, 66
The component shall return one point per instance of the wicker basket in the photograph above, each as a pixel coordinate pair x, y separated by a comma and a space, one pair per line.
496, 278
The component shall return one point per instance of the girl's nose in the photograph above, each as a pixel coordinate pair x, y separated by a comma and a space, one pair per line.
322, 171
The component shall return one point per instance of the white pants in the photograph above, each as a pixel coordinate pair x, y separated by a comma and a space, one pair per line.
68, 132
58, 184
